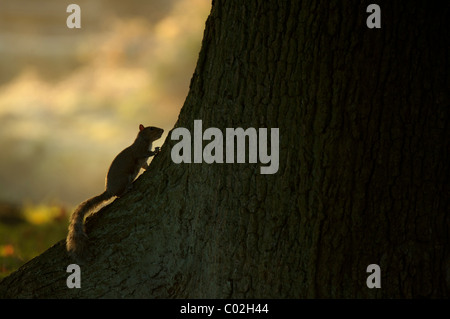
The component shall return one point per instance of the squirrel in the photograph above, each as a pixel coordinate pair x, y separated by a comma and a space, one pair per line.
122, 172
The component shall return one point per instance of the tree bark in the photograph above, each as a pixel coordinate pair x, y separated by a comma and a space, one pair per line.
362, 179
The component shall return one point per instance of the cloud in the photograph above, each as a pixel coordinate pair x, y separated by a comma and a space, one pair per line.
66, 115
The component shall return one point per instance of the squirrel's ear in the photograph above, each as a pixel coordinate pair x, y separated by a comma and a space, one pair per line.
141, 127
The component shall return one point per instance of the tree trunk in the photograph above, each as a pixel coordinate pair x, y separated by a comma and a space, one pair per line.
363, 121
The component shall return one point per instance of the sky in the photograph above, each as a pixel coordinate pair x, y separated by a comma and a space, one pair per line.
72, 99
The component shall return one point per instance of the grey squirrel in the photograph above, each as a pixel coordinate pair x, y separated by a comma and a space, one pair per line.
122, 172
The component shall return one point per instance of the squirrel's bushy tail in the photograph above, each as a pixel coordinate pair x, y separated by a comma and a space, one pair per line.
77, 239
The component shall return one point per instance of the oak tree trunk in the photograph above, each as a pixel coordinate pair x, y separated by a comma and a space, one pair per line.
363, 121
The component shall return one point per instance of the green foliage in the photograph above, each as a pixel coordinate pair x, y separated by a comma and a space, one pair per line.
34, 230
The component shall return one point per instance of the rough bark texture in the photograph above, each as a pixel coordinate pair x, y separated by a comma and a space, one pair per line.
363, 119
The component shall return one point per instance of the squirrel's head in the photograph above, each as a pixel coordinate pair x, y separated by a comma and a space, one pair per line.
150, 133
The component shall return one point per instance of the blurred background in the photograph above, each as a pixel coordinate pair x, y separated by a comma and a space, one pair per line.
72, 99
